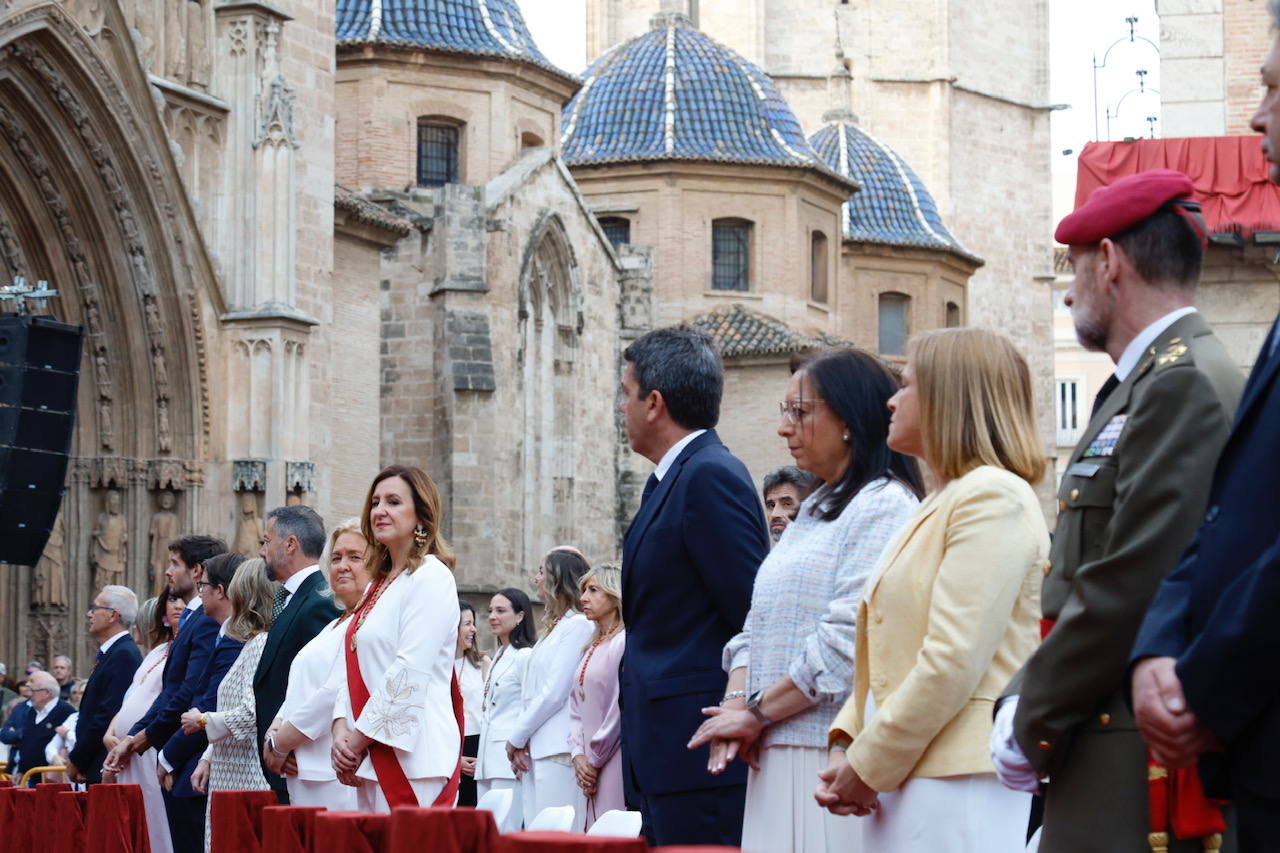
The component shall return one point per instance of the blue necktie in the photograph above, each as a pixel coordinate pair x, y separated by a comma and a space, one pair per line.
182, 620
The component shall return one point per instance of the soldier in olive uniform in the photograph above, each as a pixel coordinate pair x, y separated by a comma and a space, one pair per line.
1130, 499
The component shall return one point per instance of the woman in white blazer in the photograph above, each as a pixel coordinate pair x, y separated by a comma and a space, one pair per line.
303, 726
539, 742
511, 622
397, 733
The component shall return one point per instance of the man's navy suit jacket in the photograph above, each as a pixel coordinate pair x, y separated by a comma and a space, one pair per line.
30, 738
188, 657
689, 562
1218, 610
182, 750
103, 696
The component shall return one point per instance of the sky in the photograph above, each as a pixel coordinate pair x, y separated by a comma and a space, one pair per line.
1081, 32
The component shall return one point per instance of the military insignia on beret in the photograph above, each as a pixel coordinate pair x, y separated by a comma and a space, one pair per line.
1176, 350
1105, 443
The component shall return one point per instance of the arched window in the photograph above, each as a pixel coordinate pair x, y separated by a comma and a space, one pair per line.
617, 229
818, 267
530, 140
895, 309
953, 315
438, 152
730, 254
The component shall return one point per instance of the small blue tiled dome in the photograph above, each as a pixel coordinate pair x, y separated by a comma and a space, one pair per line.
674, 93
482, 27
893, 207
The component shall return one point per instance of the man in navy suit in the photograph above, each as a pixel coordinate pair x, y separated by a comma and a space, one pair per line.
689, 562
109, 619
291, 546
188, 656
183, 749
31, 733
1205, 681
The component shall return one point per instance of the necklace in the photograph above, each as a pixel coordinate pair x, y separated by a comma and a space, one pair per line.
493, 671
586, 660
163, 656
363, 608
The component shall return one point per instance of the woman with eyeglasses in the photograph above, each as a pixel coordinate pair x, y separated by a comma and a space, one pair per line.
791, 668
539, 743
397, 732
302, 729
511, 623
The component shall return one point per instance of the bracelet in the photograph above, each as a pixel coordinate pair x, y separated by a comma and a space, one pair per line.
734, 694
271, 745
204, 721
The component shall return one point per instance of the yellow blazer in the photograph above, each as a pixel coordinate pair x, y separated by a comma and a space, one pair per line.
947, 619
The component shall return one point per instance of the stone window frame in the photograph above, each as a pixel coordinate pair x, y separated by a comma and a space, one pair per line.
953, 315
438, 122
732, 234
902, 301
616, 228
819, 268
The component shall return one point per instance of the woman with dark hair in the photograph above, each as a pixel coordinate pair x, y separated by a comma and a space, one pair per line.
397, 731
470, 666
511, 623
539, 742
791, 668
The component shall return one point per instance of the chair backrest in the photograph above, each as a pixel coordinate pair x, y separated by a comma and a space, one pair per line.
1033, 845
498, 802
554, 819
617, 823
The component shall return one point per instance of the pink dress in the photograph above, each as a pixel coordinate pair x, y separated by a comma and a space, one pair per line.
595, 727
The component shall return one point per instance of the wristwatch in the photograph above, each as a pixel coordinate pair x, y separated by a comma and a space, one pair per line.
271, 745
753, 705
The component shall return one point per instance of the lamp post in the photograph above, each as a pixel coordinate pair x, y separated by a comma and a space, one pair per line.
1132, 38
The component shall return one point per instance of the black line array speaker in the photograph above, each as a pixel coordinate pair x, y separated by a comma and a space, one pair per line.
39, 372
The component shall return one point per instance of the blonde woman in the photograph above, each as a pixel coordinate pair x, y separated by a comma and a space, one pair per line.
397, 731
539, 742
951, 612
595, 728
231, 762
302, 728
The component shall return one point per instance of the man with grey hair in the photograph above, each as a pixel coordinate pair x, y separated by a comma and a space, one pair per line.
108, 620
61, 670
689, 562
291, 545
32, 725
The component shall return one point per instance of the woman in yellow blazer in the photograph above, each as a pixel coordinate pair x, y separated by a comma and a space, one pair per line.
951, 612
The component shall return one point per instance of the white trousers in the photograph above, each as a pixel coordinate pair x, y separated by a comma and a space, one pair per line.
550, 783
957, 814
515, 817
330, 794
369, 797
781, 815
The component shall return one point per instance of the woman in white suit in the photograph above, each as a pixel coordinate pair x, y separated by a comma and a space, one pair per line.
303, 726
539, 742
511, 621
397, 732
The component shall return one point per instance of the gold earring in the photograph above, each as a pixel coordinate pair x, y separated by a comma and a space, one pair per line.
420, 537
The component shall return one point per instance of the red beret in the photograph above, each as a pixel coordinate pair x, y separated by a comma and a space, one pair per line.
1115, 208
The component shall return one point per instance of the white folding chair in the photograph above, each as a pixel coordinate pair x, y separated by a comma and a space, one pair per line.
497, 801
1033, 846
617, 823
554, 819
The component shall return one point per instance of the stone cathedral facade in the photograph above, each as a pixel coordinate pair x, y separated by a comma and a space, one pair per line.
307, 238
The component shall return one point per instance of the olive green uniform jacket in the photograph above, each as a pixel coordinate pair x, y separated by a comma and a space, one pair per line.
1131, 497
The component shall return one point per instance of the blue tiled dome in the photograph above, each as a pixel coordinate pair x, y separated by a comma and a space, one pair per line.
673, 93
893, 206
482, 27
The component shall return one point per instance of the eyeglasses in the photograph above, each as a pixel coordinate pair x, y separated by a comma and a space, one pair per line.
93, 607
794, 412
201, 586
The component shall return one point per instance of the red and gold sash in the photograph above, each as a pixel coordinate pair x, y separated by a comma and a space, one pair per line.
395, 785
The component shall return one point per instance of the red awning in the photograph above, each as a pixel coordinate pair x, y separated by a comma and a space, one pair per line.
1229, 172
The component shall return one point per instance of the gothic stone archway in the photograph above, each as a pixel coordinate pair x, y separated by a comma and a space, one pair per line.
90, 200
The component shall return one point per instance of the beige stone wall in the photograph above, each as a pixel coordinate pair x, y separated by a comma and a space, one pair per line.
672, 206
1246, 39
381, 94
749, 413
1239, 293
932, 280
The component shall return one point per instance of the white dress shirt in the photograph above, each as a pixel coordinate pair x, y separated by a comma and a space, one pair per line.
112, 641
295, 580
669, 458
405, 649
1133, 352
544, 724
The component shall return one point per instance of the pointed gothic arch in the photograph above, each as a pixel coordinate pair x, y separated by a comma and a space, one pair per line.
91, 201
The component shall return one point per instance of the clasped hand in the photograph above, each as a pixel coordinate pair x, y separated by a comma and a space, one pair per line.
1176, 737
347, 753
732, 733
587, 775
841, 790
191, 721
